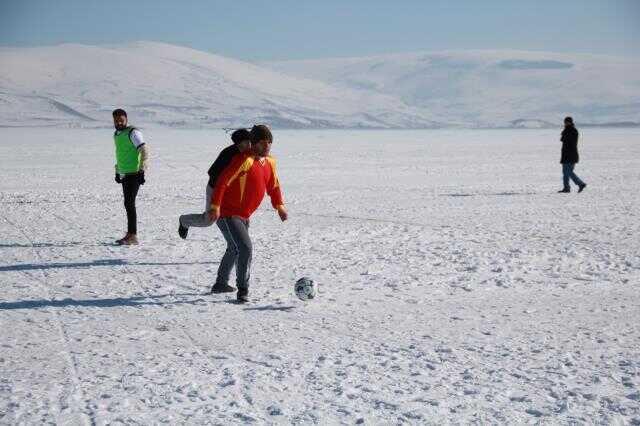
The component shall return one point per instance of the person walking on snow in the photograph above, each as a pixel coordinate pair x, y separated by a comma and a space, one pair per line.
131, 162
237, 194
241, 142
569, 156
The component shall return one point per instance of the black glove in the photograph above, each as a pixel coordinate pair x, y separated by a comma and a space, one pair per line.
141, 180
118, 180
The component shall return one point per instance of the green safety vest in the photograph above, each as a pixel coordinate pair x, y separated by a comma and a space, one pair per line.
127, 155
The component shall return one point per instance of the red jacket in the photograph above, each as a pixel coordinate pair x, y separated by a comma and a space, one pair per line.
240, 188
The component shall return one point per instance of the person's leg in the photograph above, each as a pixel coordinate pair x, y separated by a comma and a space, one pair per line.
208, 195
574, 177
238, 230
230, 255
200, 220
566, 170
130, 187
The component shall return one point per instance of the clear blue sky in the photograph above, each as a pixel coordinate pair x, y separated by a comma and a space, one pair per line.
288, 29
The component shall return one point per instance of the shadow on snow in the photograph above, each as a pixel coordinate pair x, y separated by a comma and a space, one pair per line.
271, 308
496, 194
101, 303
93, 263
43, 245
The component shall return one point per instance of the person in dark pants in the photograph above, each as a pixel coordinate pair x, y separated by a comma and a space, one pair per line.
569, 156
241, 142
131, 162
238, 192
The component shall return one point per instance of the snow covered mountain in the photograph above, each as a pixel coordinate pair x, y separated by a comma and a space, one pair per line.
492, 88
78, 85
170, 85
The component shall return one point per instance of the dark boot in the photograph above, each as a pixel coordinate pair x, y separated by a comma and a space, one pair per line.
243, 295
122, 240
565, 190
582, 187
182, 231
128, 240
222, 288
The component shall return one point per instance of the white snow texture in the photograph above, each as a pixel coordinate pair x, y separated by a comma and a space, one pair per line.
455, 285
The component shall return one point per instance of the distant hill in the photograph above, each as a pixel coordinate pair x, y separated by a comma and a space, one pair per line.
492, 88
162, 84
177, 86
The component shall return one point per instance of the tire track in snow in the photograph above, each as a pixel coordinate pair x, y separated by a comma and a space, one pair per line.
363, 219
72, 363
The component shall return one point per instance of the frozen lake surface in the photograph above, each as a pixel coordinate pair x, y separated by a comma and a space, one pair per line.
456, 286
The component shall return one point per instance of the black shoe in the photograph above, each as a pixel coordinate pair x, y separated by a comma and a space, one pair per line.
182, 231
243, 295
564, 191
128, 240
582, 187
222, 288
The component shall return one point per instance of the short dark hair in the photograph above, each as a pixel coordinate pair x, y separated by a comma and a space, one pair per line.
240, 135
260, 132
118, 112
568, 120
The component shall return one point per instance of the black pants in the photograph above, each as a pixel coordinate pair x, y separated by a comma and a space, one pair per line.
130, 186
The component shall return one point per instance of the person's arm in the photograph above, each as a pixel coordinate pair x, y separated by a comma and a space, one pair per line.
137, 139
144, 157
115, 166
273, 189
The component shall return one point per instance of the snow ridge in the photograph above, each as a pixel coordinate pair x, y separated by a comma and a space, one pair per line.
501, 88
162, 84
177, 86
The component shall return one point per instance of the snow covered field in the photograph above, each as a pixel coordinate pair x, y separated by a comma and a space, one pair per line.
456, 286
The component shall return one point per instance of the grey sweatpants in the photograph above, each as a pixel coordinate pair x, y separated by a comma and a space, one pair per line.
200, 220
239, 251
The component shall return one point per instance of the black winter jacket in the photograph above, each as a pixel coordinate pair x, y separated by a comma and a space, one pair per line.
223, 160
569, 140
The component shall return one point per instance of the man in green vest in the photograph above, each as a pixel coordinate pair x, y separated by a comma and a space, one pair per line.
131, 163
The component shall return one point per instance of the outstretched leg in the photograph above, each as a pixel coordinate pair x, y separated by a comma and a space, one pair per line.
574, 177
200, 220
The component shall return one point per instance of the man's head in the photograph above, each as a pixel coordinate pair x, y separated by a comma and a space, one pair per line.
568, 121
242, 139
261, 140
119, 119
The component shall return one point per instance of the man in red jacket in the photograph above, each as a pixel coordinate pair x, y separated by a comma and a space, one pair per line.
238, 192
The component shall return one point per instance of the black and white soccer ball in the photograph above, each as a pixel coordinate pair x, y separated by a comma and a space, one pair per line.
305, 289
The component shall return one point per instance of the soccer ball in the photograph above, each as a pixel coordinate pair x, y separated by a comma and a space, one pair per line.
305, 288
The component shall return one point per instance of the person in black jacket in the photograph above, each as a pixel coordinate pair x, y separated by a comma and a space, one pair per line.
569, 156
241, 142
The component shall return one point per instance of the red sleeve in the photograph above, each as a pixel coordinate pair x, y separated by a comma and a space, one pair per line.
228, 175
273, 186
